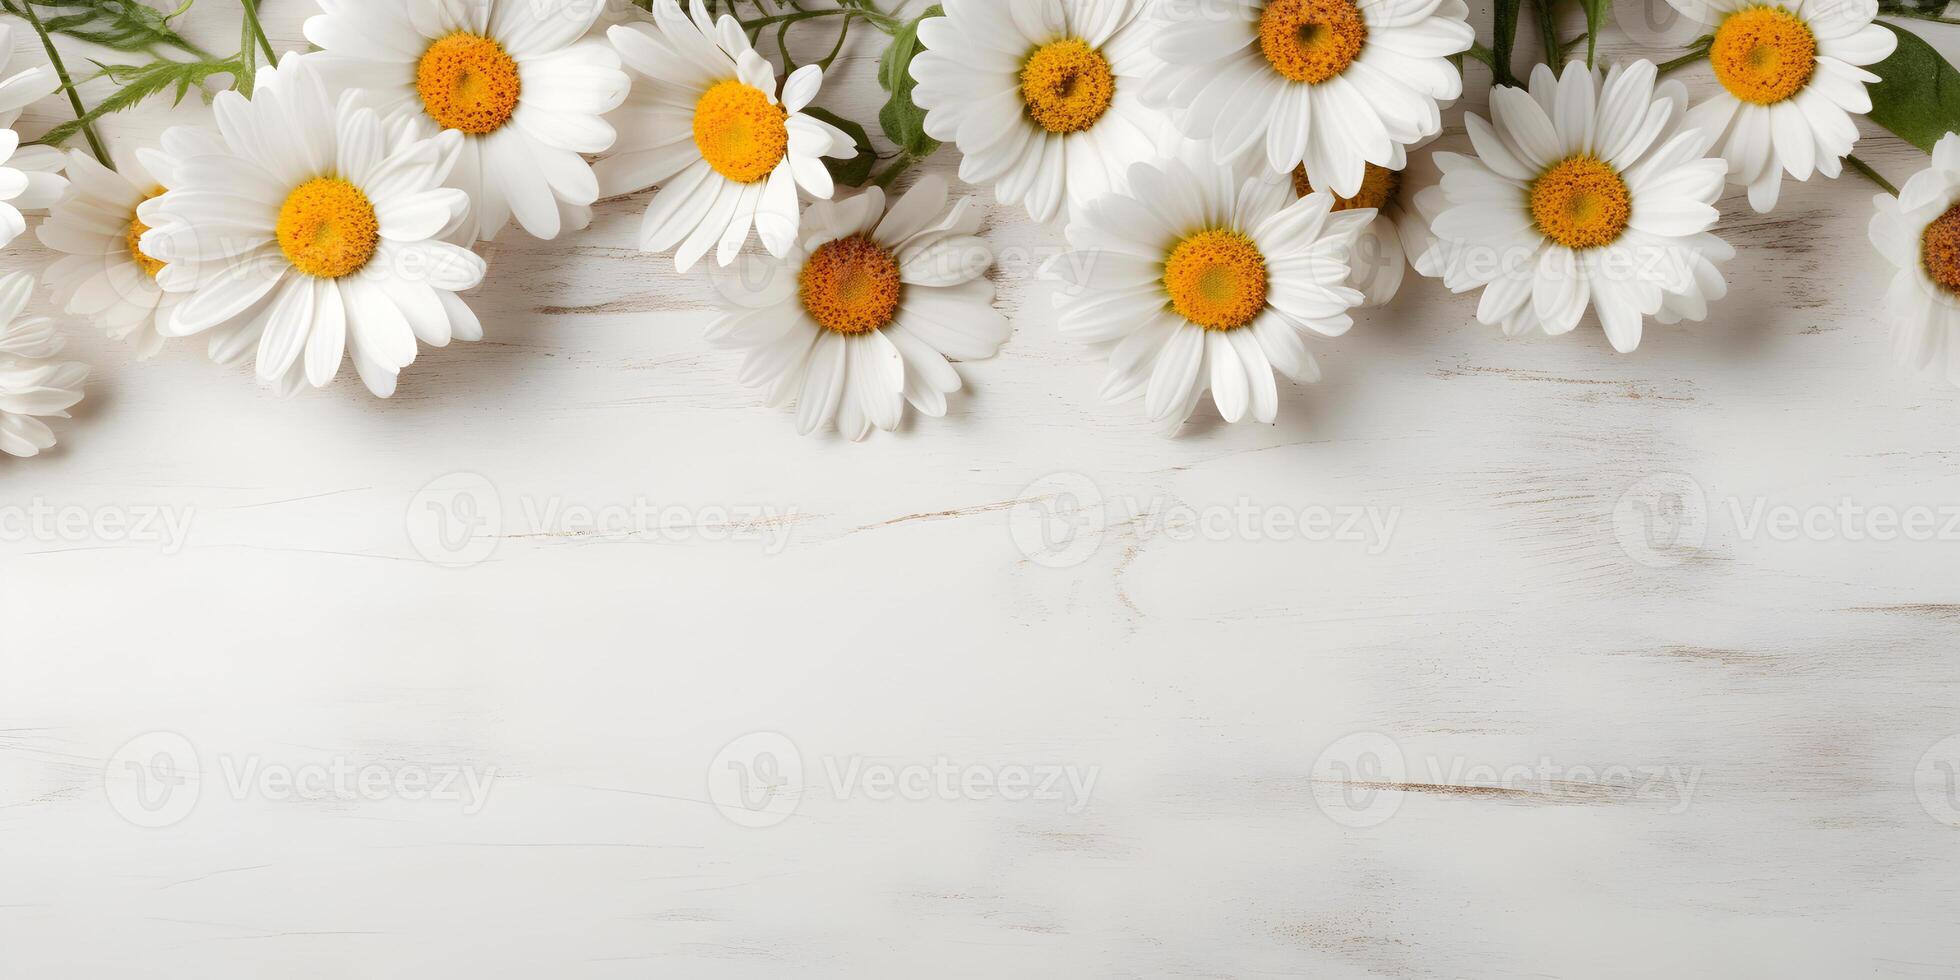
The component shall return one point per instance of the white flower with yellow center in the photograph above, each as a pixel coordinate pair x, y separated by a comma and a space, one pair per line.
864, 313
33, 385
1206, 277
525, 82
1791, 82
1575, 201
103, 273
308, 233
1045, 101
1399, 235
705, 122
30, 176
1332, 84
1919, 231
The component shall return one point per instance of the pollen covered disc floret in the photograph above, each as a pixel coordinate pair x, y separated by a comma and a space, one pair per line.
1763, 54
1581, 202
1939, 249
850, 285
1067, 85
468, 82
132, 240
1216, 279
1311, 41
327, 228
1918, 233
740, 131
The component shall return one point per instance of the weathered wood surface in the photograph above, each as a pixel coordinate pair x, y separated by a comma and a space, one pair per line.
1531, 728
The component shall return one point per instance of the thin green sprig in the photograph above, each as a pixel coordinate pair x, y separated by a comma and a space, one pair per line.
25, 9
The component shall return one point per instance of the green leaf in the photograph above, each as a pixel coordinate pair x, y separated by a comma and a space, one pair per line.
139, 82
125, 25
855, 171
1917, 96
902, 119
1504, 34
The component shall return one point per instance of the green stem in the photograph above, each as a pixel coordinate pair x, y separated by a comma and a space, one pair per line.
1870, 174
1548, 32
885, 21
258, 30
1912, 15
1700, 53
1480, 53
843, 31
26, 11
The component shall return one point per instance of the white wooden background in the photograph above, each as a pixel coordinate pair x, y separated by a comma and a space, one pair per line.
1563, 721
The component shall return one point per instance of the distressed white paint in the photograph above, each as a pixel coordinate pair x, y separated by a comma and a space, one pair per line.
1780, 691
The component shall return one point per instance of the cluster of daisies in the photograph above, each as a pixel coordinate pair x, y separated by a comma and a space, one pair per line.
1234, 178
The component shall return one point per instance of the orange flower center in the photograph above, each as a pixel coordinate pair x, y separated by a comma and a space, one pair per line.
740, 132
1581, 203
327, 228
1067, 86
1216, 279
1311, 41
1763, 54
468, 82
851, 285
1939, 249
1378, 188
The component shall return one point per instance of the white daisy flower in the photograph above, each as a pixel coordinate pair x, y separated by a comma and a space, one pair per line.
33, 385
1044, 100
525, 82
864, 313
707, 124
104, 273
1399, 235
1206, 277
1332, 84
1919, 231
1574, 201
310, 232
30, 176
1791, 82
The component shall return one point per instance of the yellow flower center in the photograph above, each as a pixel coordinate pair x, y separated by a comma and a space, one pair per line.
1067, 86
1378, 188
468, 82
1311, 41
149, 265
740, 132
1580, 202
1939, 249
850, 285
1763, 54
1216, 279
327, 228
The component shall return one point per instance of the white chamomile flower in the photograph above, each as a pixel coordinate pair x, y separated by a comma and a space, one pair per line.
864, 313
30, 176
1919, 231
1044, 100
706, 123
33, 385
1405, 202
309, 233
1332, 84
1574, 201
103, 272
1206, 277
525, 82
1791, 82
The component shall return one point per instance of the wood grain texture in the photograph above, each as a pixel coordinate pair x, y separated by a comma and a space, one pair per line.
1582, 746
